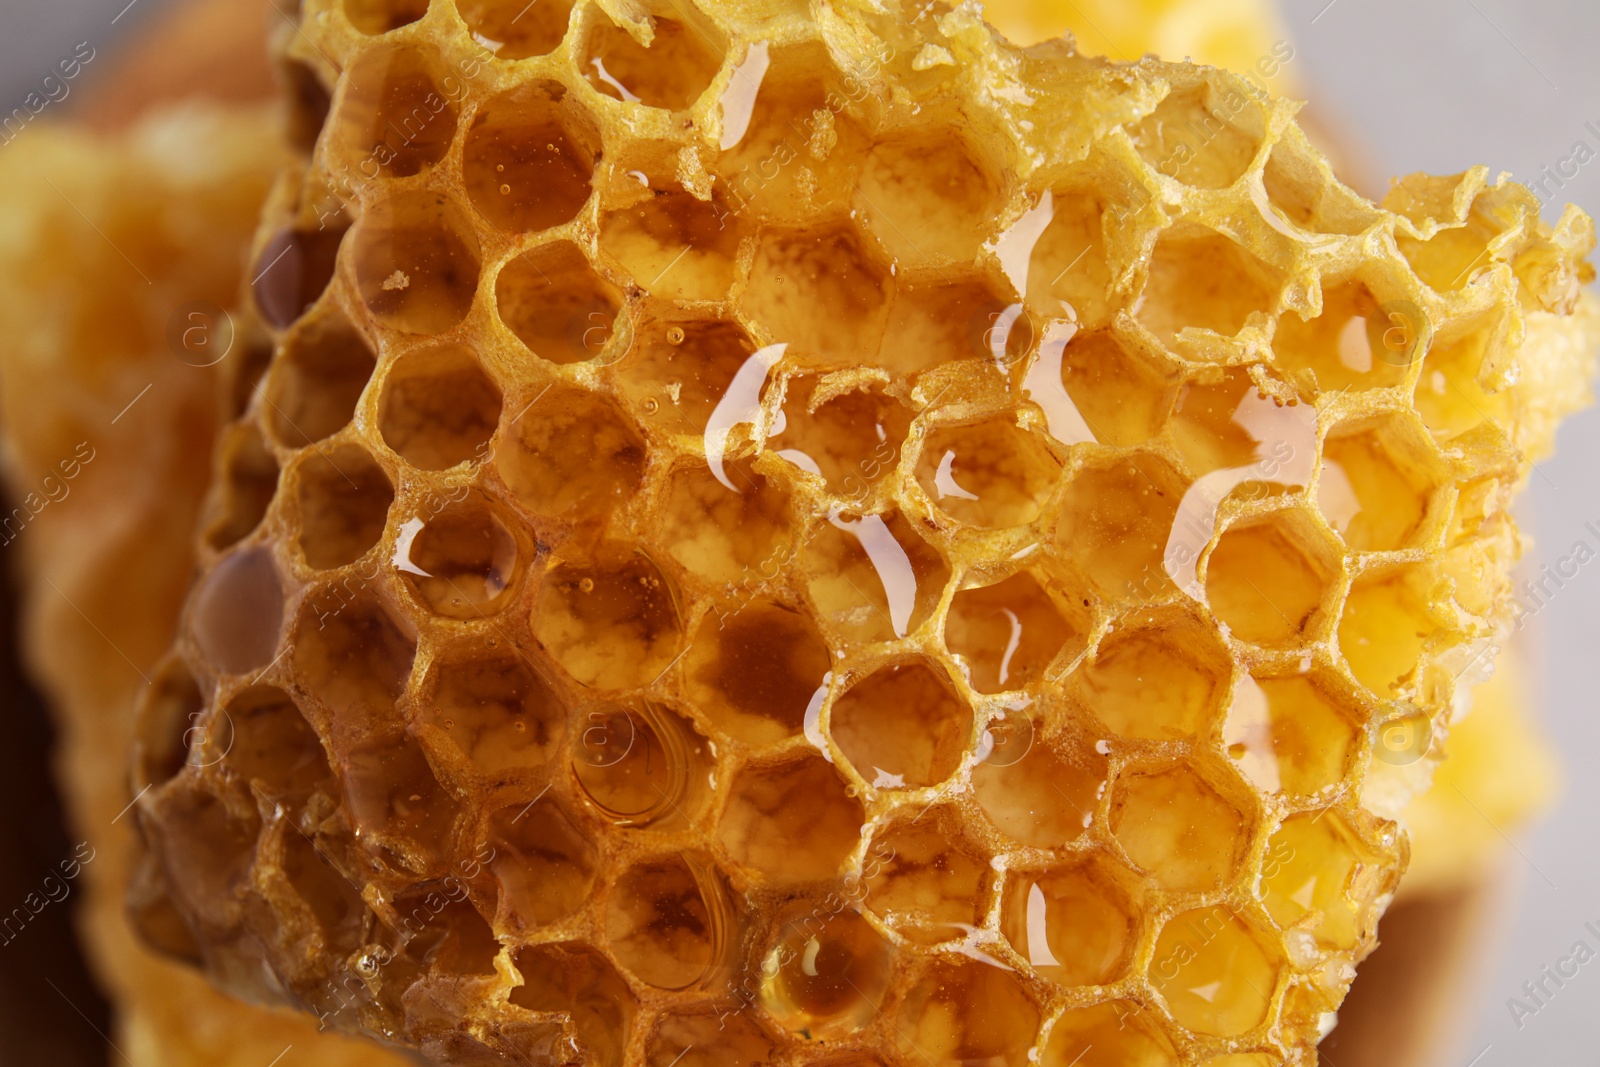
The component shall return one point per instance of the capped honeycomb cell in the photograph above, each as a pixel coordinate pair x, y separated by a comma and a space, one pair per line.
237, 611
439, 408
416, 262
756, 672
1156, 676
512, 29
793, 821
313, 390
991, 474
902, 727
394, 119
1006, 635
344, 499
556, 304
529, 156
1073, 925
497, 710
1176, 827
670, 72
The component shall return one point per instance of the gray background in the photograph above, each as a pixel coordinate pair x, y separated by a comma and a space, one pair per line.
1434, 85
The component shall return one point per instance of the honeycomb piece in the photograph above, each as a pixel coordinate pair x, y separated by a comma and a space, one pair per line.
862, 497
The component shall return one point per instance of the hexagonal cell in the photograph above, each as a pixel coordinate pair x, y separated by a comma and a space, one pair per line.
353, 658
1267, 579
551, 298
575, 980
715, 1038
1156, 676
393, 118
1072, 924
164, 727
1377, 484
439, 408
394, 797
416, 262
1215, 973
850, 439
1217, 419
872, 578
1354, 344
1451, 258
612, 621
724, 536
373, 17
1177, 828
990, 474
1296, 186
529, 157
500, 713
309, 103
1124, 396
941, 322
1119, 1033
1449, 395
793, 821
1315, 865
902, 727
1068, 267
463, 561
1384, 628
206, 850
332, 899
344, 499
755, 672
248, 483
1287, 735
313, 388
924, 880
236, 612
968, 1012
442, 934
928, 197
826, 976
1006, 635
545, 865
272, 746
1200, 279
1205, 135
293, 270
571, 455
676, 373
641, 764
241, 386
1037, 789
819, 290
666, 920
676, 247
514, 29
1116, 518
671, 72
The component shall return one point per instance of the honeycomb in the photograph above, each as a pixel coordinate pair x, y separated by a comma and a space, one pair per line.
599, 659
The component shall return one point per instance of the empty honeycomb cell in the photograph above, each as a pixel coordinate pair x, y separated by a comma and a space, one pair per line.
755, 671
821, 292
940, 322
1173, 825
1214, 972
990, 474
463, 561
963, 1011
439, 408
578, 982
707, 1039
1205, 135
313, 389
1384, 628
1357, 343
236, 612
1453, 257
206, 847
569, 454
1124, 395
344, 499
1037, 789
1203, 280
272, 746
1069, 272
334, 901
529, 157
1156, 676
309, 103
1449, 395
1267, 580
498, 711
292, 270
247, 376
902, 726
544, 863
373, 17
1073, 925
667, 921
925, 881
1296, 185
1217, 421
444, 934
671, 72
1377, 484
640, 765
1006, 634
1117, 516
740, 536
353, 658
1289, 735
513, 29
393, 119
1315, 866
826, 975
793, 821
395, 798
872, 578
676, 246
168, 716
555, 303
612, 621
416, 262
851, 439
677, 373
1119, 1033
245, 490
927, 197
